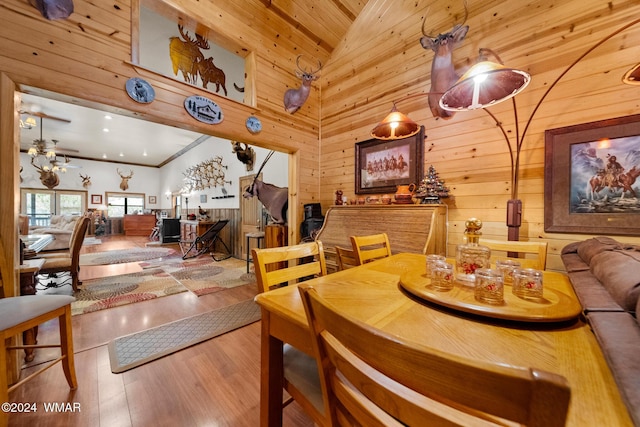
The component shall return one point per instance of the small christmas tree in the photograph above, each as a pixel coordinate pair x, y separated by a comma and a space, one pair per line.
432, 188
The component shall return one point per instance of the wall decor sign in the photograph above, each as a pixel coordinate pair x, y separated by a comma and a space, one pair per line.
591, 176
203, 109
140, 90
383, 165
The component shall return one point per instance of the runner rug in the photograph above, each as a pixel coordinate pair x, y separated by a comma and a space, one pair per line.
114, 291
133, 350
203, 275
124, 255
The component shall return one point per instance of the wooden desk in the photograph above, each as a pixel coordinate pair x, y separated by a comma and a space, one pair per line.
372, 294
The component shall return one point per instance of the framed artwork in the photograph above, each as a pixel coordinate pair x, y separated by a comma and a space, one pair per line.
203, 198
152, 200
96, 199
590, 177
383, 165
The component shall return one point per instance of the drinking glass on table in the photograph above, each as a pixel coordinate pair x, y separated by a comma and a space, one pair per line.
508, 268
433, 259
442, 276
489, 286
527, 283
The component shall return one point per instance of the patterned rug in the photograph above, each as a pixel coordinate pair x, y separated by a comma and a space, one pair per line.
203, 275
141, 347
114, 291
125, 255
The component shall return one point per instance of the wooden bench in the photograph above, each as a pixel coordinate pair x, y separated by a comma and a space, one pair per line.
411, 228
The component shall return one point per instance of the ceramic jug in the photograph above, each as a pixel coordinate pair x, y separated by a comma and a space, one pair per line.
405, 190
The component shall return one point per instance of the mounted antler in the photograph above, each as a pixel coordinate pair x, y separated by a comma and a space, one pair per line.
245, 154
443, 75
295, 98
48, 178
86, 180
124, 185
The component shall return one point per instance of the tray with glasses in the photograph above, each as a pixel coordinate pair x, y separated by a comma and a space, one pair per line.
558, 303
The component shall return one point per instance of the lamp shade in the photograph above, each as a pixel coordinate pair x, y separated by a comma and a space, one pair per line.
632, 77
483, 85
395, 126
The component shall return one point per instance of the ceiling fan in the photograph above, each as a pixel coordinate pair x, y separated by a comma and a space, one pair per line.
40, 147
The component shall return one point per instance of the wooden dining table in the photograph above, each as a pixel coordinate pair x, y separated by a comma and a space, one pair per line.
374, 294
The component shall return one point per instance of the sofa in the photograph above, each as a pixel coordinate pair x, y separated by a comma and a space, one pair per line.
61, 227
605, 275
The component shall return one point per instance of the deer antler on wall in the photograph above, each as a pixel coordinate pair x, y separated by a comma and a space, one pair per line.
443, 75
86, 180
295, 98
205, 175
124, 184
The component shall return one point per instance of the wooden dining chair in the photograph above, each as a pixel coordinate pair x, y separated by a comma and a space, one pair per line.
71, 264
534, 253
22, 313
275, 267
372, 378
371, 247
346, 258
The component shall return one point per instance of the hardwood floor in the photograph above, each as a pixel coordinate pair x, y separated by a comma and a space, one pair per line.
215, 383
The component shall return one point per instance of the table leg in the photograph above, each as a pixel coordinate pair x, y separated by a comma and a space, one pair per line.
271, 376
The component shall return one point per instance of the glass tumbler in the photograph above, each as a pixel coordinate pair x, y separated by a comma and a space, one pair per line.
489, 286
527, 283
442, 276
433, 259
508, 268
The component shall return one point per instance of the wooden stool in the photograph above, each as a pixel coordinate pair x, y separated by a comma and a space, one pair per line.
26, 312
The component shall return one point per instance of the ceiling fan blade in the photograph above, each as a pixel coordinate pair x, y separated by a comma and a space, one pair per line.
45, 116
66, 150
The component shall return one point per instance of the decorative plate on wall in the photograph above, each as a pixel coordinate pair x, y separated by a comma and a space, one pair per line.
203, 109
140, 90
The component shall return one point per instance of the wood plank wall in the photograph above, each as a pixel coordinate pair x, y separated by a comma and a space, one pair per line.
87, 59
381, 60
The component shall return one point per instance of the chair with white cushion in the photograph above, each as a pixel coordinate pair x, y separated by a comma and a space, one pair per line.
19, 314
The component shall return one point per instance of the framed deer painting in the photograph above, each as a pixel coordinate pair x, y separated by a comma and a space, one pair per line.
591, 177
383, 165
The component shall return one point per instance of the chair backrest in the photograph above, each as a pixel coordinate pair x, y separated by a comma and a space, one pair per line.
377, 379
267, 264
346, 258
77, 237
537, 249
371, 247
214, 230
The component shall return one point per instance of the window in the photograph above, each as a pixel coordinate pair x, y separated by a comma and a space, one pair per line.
40, 204
121, 204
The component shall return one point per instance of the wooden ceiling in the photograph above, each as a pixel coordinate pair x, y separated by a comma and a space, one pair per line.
324, 22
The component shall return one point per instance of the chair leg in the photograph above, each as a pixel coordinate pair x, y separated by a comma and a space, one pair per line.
66, 348
4, 386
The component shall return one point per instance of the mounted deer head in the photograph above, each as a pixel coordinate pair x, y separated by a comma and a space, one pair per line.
275, 199
48, 178
443, 76
86, 180
124, 185
295, 98
245, 153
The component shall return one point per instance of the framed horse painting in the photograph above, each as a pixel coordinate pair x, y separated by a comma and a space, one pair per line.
592, 177
383, 165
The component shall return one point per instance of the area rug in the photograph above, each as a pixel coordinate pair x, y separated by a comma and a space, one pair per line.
90, 241
203, 275
124, 255
133, 350
114, 291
